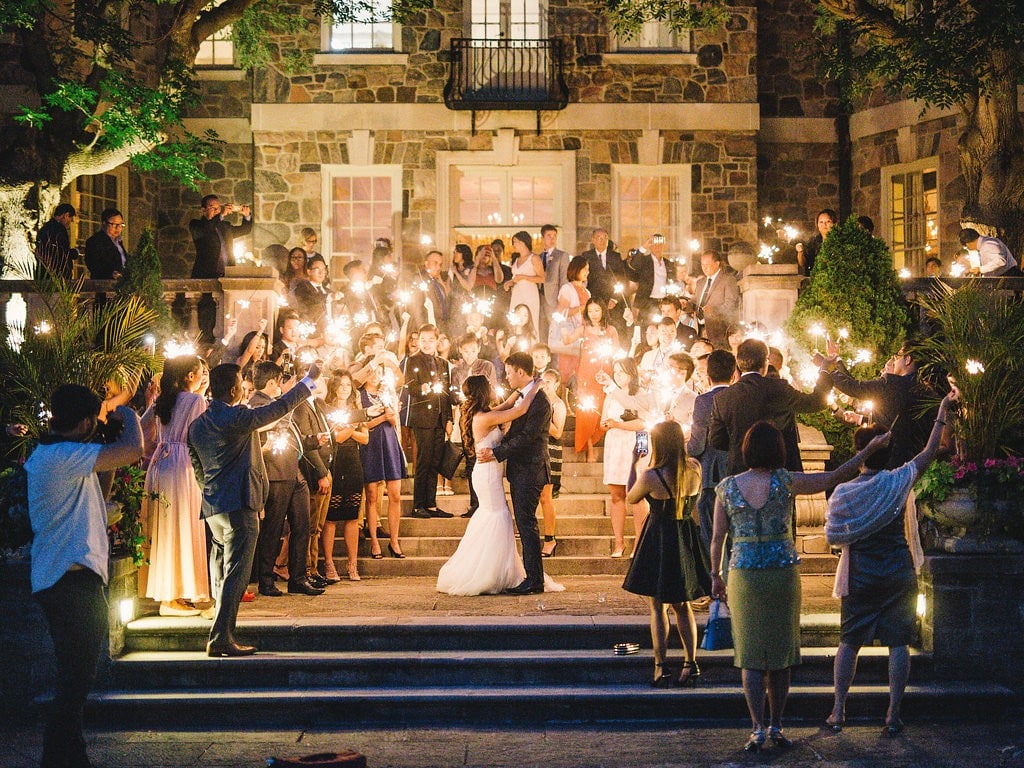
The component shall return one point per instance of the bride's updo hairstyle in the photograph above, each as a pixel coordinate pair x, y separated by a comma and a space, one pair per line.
477, 390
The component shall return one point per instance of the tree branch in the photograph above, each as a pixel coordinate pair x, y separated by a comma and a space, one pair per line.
881, 23
215, 19
91, 161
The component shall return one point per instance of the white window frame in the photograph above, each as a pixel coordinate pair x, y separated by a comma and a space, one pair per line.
472, 9
650, 40
78, 235
679, 251
326, 32
565, 196
917, 166
330, 172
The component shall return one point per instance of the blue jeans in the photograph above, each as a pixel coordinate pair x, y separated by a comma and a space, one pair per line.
234, 537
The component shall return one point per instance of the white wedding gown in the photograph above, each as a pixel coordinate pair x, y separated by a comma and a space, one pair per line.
486, 561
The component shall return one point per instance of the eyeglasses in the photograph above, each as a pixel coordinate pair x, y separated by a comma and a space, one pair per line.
115, 224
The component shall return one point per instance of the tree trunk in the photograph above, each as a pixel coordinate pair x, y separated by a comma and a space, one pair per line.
992, 157
18, 226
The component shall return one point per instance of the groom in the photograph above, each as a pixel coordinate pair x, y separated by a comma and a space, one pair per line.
525, 446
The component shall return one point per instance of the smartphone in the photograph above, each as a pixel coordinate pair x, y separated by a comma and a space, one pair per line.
643, 443
658, 239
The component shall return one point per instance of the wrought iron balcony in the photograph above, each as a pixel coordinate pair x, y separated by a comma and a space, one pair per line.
506, 74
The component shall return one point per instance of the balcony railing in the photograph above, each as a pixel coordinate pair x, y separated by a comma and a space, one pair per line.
506, 74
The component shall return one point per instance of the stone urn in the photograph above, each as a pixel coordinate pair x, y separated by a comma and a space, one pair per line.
959, 511
741, 255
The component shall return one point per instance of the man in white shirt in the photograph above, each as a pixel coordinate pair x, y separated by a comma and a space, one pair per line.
656, 360
986, 256
717, 296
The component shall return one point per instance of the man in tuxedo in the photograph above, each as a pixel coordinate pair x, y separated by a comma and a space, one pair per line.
686, 332
310, 294
652, 272
105, 254
717, 296
315, 465
53, 244
525, 447
556, 269
228, 461
214, 241
432, 287
713, 461
606, 271
754, 398
428, 385
289, 494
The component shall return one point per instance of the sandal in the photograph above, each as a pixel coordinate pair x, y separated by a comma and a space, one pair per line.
895, 728
663, 680
836, 726
545, 552
755, 742
780, 741
687, 675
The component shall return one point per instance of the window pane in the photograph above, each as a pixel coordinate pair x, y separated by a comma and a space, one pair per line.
649, 205
363, 211
913, 218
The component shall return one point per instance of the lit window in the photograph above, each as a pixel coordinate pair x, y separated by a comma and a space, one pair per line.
378, 34
653, 200
911, 213
362, 206
508, 19
91, 195
654, 36
218, 50
496, 202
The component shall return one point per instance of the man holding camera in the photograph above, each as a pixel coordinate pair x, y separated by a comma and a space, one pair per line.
652, 272
214, 239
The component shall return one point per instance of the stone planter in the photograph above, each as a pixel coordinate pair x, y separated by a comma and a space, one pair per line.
958, 512
963, 524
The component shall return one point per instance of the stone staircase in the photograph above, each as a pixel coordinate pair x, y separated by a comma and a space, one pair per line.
475, 671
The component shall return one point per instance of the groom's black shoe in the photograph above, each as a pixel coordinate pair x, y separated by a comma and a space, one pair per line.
525, 588
435, 512
469, 512
422, 514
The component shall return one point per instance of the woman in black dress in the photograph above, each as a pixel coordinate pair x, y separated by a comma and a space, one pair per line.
669, 564
347, 474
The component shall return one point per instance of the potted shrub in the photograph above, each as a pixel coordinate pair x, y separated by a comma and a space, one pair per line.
979, 342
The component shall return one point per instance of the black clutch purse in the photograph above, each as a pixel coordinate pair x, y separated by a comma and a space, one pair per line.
451, 457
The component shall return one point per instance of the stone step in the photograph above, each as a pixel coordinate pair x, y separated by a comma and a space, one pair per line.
574, 546
507, 634
583, 519
508, 705
589, 479
390, 567
149, 670
576, 504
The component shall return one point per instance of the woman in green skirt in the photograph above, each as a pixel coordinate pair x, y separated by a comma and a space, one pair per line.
756, 509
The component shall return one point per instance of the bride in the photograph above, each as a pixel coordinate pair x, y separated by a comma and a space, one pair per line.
486, 561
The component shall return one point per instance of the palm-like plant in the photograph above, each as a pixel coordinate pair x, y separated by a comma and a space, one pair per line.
71, 341
979, 341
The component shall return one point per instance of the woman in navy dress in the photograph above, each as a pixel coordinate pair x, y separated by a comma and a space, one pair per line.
383, 460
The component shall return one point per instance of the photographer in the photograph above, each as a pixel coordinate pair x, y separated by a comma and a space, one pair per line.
648, 268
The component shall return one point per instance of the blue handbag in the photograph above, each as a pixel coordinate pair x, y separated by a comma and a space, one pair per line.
718, 632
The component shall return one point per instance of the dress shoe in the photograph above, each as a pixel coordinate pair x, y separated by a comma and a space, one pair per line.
316, 580
177, 608
248, 597
468, 512
422, 514
270, 590
303, 587
331, 577
217, 650
525, 589
435, 512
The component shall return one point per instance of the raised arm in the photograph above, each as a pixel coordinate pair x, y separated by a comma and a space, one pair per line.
815, 482
128, 447
924, 458
505, 415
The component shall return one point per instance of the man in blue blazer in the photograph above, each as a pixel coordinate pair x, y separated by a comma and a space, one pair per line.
228, 461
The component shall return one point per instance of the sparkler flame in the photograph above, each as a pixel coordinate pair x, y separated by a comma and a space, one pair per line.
974, 367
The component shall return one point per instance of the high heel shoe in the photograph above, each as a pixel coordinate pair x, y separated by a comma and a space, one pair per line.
780, 741
662, 679
755, 742
353, 574
687, 675
376, 555
836, 726
396, 553
553, 542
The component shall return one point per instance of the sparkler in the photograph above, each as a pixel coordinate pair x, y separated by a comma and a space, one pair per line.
44, 327
817, 330
957, 269
904, 274
173, 348
587, 403
278, 441
974, 367
306, 330
863, 356
339, 417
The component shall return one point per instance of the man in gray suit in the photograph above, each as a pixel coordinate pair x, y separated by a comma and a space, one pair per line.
556, 268
713, 461
717, 299
228, 461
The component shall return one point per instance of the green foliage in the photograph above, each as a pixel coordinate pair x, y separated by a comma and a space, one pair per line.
979, 324
15, 525
942, 53
142, 279
853, 286
936, 483
129, 492
627, 17
77, 345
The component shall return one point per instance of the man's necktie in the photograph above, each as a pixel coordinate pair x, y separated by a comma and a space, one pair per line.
544, 258
704, 293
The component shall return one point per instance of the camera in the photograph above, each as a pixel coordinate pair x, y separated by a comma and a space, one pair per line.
658, 239
634, 252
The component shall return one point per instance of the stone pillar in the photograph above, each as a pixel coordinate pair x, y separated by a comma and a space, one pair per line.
769, 293
810, 510
249, 293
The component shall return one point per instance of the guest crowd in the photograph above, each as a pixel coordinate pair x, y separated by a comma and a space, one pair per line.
254, 470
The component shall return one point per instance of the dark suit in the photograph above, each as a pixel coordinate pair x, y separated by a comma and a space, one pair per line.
525, 447
753, 398
103, 257
714, 463
228, 460
720, 308
53, 248
429, 414
315, 464
601, 283
214, 241
288, 499
897, 401
311, 301
640, 269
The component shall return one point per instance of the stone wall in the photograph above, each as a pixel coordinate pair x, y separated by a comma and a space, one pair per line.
723, 69
934, 138
795, 181
787, 71
724, 190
